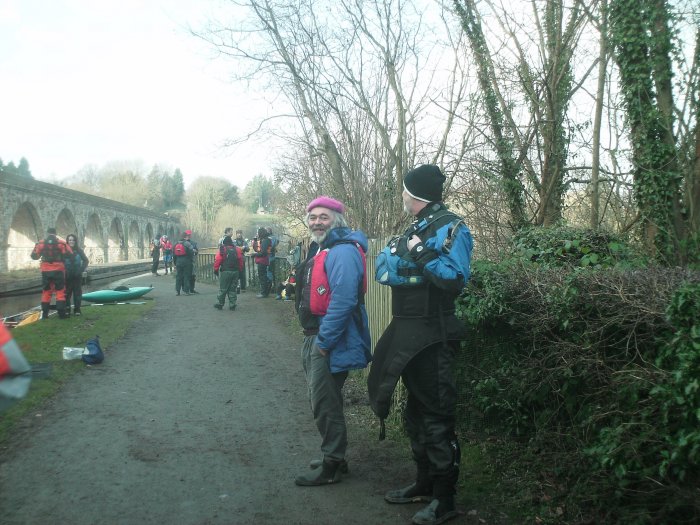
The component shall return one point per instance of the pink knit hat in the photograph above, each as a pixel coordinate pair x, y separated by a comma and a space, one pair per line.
326, 202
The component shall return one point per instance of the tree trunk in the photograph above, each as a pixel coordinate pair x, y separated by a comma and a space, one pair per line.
600, 95
508, 167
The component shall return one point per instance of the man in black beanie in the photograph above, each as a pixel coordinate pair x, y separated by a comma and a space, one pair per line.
420, 343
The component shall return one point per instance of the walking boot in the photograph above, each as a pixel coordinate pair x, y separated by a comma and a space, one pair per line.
218, 306
414, 493
45, 310
315, 463
327, 474
438, 511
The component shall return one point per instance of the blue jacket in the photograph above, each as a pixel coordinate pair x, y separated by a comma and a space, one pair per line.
344, 330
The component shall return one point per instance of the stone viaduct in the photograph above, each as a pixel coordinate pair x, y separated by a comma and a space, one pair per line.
108, 231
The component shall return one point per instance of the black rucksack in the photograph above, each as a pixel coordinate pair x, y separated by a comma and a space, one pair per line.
231, 257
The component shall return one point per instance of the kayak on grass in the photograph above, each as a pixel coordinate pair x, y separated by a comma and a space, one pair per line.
120, 293
23, 318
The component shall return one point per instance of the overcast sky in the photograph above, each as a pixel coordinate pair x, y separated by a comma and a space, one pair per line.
94, 81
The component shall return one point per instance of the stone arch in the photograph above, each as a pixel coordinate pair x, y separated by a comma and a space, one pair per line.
135, 242
150, 235
116, 245
93, 241
25, 231
65, 224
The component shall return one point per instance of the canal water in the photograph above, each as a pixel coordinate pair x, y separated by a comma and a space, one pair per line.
10, 306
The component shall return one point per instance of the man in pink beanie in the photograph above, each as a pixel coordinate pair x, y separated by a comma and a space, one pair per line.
326, 202
332, 313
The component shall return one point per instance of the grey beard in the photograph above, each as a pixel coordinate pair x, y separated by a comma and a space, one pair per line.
319, 238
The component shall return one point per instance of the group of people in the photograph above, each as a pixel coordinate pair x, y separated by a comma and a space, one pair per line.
185, 252
264, 247
427, 267
179, 259
161, 245
63, 263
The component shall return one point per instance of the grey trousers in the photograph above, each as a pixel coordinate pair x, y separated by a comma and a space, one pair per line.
326, 397
228, 282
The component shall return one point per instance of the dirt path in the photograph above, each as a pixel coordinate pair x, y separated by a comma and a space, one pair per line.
197, 416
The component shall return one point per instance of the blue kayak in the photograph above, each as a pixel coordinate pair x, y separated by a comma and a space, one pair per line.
119, 294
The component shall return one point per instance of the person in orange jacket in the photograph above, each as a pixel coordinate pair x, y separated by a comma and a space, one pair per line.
52, 251
15, 371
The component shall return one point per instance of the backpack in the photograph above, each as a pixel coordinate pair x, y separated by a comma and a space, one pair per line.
94, 355
74, 265
233, 257
179, 250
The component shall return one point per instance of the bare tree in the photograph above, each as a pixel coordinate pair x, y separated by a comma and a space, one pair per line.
370, 94
527, 86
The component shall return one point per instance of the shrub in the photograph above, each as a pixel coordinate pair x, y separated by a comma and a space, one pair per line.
595, 370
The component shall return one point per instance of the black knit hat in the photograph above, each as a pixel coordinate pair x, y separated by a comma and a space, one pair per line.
424, 183
228, 241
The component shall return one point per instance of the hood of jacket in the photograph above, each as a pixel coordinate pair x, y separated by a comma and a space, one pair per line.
344, 234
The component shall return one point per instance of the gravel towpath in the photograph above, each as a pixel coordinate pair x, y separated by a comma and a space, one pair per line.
196, 416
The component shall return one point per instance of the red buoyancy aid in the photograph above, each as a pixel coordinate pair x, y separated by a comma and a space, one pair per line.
320, 292
226, 263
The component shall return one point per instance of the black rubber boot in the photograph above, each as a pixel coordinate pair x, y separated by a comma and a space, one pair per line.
45, 310
61, 309
315, 463
327, 474
438, 511
420, 490
414, 493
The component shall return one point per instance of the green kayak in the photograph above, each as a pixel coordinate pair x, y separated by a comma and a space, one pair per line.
120, 293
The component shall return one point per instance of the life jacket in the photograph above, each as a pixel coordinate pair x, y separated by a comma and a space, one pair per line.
257, 247
179, 249
233, 257
52, 251
394, 265
316, 278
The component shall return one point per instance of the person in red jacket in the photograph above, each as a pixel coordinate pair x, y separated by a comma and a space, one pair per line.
166, 247
52, 251
228, 263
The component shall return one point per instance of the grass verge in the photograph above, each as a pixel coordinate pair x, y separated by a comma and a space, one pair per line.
42, 344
